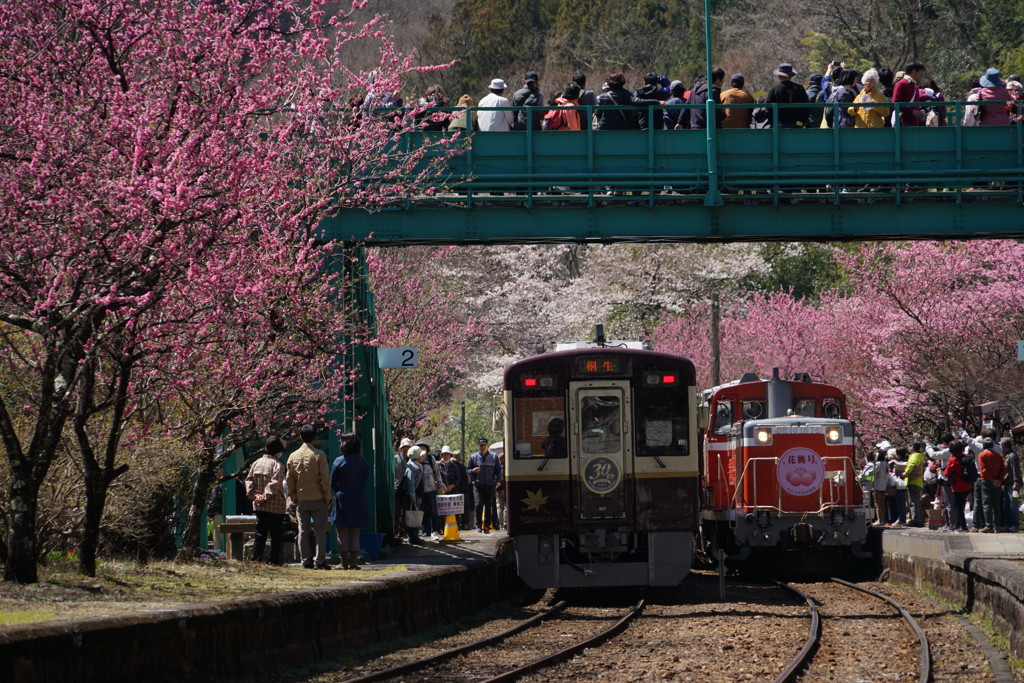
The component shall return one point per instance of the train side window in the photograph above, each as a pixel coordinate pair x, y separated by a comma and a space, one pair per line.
831, 408
753, 410
600, 420
723, 417
805, 407
662, 413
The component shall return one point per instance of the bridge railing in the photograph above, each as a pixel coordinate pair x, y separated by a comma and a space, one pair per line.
775, 164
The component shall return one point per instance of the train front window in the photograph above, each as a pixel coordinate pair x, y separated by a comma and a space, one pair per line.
662, 419
601, 419
805, 407
831, 408
753, 410
723, 417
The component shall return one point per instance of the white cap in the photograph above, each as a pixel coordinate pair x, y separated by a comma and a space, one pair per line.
446, 449
497, 84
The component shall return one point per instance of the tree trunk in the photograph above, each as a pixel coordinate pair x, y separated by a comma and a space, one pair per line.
95, 499
192, 534
21, 541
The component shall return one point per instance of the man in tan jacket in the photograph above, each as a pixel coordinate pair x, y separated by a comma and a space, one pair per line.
309, 490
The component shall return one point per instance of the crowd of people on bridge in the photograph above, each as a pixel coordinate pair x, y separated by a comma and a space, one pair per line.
859, 100
960, 484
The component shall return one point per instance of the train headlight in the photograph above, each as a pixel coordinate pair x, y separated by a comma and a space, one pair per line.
833, 435
763, 436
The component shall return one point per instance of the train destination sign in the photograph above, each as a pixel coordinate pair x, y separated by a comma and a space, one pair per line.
599, 366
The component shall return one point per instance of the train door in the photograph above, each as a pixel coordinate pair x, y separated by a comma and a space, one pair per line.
602, 448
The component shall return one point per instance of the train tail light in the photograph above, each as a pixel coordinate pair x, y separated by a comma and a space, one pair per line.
833, 435
763, 436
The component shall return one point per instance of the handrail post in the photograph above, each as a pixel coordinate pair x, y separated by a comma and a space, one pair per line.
713, 196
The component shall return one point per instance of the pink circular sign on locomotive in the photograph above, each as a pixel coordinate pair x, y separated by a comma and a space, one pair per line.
800, 471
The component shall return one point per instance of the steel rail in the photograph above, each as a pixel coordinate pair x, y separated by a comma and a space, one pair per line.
926, 659
813, 639
565, 653
462, 649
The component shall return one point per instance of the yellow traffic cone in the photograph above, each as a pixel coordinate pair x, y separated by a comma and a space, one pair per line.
451, 530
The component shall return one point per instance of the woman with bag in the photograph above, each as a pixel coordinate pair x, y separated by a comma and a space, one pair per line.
412, 487
348, 508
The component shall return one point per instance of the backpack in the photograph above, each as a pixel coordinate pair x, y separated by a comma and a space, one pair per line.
553, 120
969, 466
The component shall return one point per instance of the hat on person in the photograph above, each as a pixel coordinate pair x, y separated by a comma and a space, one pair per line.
274, 445
884, 445
814, 78
482, 441
531, 77
915, 444
422, 443
786, 70
405, 442
415, 453
991, 79
496, 84
987, 443
446, 449
737, 80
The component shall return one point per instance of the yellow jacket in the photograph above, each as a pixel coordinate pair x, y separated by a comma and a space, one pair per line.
870, 117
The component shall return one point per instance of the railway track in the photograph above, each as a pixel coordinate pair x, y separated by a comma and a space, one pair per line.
855, 636
529, 640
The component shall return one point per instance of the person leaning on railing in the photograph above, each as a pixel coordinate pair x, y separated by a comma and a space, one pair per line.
617, 95
870, 117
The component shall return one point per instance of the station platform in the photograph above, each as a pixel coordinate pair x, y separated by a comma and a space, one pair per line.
475, 547
953, 548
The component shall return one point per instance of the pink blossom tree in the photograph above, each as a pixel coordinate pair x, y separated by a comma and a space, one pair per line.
150, 143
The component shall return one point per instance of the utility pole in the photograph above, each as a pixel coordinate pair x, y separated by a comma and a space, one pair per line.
716, 360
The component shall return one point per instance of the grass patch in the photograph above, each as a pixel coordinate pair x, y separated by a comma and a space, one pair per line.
121, 586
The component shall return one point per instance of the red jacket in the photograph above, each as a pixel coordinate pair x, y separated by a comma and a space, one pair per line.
905, 90
954, 472
991, 467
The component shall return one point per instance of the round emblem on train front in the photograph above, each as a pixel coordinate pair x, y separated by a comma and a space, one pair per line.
601, 475
800, 471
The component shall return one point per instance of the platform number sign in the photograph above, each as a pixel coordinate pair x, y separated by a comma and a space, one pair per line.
398, 358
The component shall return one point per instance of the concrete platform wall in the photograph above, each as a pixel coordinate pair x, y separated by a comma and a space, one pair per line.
245, 637
992, 587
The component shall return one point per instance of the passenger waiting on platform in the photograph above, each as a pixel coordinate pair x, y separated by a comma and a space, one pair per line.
870, 117
485, 471
737, 117
1012, 485
309, 490
879, 481
786, 91
264, 486
348, 509
993, 471
495, 120
528, 96
954, 473
412, 492
976, 445
401, 456
814, 89
431, 484
913, 472
617, 95
562, 118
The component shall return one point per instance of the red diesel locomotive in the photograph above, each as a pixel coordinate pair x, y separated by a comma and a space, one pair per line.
601, 460
779, 473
